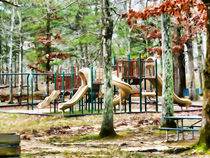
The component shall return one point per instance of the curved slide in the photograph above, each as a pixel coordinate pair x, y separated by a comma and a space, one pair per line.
84, 74
177, 100
124, 90
49, 99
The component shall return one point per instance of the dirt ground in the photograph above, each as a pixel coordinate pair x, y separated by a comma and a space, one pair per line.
138, 136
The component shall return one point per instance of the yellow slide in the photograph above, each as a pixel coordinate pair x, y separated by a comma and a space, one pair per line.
177, 100
150, 71
124, 90
84, 74
49, 99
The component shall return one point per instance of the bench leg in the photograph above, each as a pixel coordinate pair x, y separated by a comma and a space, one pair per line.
182, 131
177, 126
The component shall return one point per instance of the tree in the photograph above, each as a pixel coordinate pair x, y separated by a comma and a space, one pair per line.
167, 58
107, 128
204, 139
181, 11
11, 54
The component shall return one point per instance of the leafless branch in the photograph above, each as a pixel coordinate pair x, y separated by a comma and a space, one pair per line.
4, 1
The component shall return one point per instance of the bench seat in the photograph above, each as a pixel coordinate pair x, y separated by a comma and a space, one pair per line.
178, 129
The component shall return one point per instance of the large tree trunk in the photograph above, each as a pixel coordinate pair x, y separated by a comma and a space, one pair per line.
182, 76
107, 128
167, 58
191, 67
176, 72
200, 67
48, 49
20, 85
204, 139
1, 63
181, 68
11, 55
15, 70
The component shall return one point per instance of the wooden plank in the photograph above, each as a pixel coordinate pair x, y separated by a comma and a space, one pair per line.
179, 129
9, 138
9, 144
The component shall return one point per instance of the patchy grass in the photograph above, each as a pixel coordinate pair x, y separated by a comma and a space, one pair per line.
96, 154
20, 123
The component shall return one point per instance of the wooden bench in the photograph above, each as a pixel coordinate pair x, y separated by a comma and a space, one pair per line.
9, 145
193, 127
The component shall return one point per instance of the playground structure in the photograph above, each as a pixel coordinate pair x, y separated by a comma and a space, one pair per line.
125, 89
127, 72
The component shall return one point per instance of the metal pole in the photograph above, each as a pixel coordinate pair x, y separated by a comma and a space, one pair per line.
54, 89
91, 88
129, 99
32, 99
63, 84
98, 104
156, 79
28, 92
114, 86
95, 101
125, 81
145, 87
140, 86
82, 105
72, 84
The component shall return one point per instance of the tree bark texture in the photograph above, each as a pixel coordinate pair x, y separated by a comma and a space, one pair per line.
11, 55
176, 73
107, 128
204, 139
200, 67
191, 67
48, 50
167, 58
182, 75
1, 56
20, 86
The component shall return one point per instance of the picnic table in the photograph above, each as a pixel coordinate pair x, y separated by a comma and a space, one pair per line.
180, 129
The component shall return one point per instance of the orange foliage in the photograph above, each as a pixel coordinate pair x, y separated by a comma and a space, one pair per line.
189, 14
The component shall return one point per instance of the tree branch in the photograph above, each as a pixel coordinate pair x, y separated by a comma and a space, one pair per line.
65, 7
4, 1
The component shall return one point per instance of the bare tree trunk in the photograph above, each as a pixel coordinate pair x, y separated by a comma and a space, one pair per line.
191, 67
48, 49
1, 63
87, 64
11, 55
200, 67
176, 72
204, 139
15, 70
20, 85
167, 58
107, 127
182, 76
101, 44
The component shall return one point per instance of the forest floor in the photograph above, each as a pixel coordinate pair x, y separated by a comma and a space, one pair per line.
138, 136
56, 136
